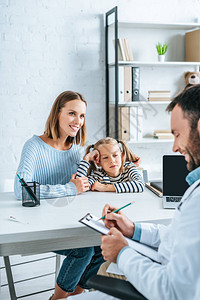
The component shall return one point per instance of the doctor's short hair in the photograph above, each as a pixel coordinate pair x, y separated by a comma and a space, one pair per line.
189, 101
52, 123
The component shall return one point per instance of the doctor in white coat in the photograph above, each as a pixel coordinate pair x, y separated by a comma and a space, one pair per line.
178, 276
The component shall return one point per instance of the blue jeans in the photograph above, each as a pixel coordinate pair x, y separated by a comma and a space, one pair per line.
78, 266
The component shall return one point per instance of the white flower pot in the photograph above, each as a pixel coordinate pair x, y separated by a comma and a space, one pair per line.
161, 58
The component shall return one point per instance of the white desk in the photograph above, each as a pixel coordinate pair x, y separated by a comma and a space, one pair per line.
54, 224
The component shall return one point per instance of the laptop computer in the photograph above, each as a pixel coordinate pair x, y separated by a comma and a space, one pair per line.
174, 183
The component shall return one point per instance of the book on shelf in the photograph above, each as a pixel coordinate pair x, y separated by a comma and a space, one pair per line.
124, 123
163, 134
130, 122
121, 50
159, 95
128, 49
164, 137
136, 123
124, 50
162, 131
125, 84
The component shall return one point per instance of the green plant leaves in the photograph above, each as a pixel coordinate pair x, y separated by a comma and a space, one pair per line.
161, 48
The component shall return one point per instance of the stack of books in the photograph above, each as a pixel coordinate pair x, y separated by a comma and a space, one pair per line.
159, 95
124, 50
163, 134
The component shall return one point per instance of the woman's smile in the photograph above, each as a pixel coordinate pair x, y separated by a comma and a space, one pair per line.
74, 127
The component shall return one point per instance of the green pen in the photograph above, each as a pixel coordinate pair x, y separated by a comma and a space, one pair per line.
115, 211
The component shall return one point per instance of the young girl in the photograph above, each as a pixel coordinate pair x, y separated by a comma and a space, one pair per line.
111, 167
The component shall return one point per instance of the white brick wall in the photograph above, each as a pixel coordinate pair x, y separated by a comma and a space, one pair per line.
47, 46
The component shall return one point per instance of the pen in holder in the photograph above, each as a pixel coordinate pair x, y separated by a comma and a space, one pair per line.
30, 194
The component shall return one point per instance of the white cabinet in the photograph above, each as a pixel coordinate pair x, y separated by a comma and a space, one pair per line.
154, 75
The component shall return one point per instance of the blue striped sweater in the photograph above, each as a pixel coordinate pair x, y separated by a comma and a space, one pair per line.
50, 167
129, 181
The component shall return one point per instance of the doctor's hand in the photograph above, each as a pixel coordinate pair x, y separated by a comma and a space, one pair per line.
112, 244
118, 220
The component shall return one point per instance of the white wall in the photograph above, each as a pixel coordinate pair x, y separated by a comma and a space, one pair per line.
48, 46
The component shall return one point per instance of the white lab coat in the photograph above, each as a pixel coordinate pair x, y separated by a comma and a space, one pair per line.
178, 277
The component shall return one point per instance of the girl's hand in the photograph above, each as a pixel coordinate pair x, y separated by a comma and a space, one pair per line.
100, 187
81, 183
138, 161
92, 156
118, 220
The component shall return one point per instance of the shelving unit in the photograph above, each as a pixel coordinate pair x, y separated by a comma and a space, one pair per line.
146, 60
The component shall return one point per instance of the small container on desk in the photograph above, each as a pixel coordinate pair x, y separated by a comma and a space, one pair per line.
31, 194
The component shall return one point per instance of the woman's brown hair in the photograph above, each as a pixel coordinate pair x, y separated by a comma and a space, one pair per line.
52, 124
127, 154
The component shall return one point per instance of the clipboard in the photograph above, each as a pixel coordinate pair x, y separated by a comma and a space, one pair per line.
94, 223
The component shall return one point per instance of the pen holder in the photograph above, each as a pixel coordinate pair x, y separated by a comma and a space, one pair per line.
31, 194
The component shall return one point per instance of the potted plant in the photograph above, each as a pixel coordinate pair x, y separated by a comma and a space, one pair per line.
161, 49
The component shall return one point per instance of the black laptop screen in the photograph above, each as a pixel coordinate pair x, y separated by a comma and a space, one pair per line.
174, 173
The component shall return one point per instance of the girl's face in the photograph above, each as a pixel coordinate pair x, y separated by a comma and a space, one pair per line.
71, 118
110, 159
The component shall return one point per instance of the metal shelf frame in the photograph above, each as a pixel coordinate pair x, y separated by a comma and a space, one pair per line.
108, 14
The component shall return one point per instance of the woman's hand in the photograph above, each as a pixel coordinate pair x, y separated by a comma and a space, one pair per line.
100, 187
92, 156
81, 183
118, 220
112, 244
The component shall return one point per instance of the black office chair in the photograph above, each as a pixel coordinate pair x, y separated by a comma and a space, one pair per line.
115, 287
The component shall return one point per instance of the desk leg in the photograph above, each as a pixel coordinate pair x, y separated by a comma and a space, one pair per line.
57, 266
0, 284
10, 278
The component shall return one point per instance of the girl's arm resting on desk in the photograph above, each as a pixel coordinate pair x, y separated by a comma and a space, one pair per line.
100, 187
134, 185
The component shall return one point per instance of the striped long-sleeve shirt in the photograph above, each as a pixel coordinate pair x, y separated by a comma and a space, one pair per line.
50, 167
129, 181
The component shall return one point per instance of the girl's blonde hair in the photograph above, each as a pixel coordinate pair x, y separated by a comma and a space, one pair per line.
127, 154
52, 124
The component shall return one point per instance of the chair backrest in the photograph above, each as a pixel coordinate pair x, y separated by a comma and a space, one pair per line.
7, 185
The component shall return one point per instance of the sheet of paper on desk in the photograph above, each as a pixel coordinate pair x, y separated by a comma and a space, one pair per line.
98, 225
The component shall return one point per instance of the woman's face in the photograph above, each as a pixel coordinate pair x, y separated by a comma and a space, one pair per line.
71, 118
